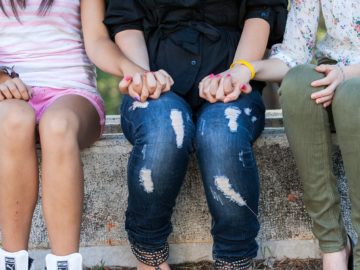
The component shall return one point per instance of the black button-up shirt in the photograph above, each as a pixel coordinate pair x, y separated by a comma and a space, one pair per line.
191, 39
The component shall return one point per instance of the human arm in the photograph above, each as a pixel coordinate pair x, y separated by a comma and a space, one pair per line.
270, 70
251, 47
151, 84
297, 47
124, 22
351, 72
260, 20
99, 47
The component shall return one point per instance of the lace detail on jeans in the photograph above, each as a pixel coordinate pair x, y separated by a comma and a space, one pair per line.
151, 258
237, 265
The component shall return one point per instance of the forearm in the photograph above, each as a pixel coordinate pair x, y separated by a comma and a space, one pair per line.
99, 47
273, 70
252, 47
108, 57
132, 44
351, 71
254, 39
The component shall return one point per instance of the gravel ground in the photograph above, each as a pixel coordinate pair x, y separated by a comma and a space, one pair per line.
259, 265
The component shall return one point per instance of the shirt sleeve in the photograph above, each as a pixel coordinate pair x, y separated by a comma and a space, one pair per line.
123, 15
272, 11
298, 46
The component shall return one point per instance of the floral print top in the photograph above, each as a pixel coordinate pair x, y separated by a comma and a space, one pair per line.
341, 43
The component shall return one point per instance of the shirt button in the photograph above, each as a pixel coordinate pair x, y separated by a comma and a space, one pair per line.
193, 62
264, 14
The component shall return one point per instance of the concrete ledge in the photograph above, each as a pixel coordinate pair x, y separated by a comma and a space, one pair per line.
180, 253
286, 228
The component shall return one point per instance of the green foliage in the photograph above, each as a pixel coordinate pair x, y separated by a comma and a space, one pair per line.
108, 88
100, 266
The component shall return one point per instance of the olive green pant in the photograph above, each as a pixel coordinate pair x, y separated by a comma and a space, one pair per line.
307, 127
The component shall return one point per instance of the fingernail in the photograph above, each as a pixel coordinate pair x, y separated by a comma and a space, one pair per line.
137, 98
243, 87
228, 75
127, 78
212, 76
218, 76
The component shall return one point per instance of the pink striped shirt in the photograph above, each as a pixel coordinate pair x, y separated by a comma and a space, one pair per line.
47, 51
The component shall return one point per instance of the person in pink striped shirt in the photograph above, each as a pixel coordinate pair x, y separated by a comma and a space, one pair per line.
47, 94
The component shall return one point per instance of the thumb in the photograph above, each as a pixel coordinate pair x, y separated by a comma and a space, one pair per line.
246, 88
124, 84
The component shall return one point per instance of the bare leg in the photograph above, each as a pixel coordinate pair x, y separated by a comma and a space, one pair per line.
337, 260
69, 125
18, 173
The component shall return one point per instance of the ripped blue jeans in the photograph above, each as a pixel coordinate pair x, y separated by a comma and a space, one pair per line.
164, 133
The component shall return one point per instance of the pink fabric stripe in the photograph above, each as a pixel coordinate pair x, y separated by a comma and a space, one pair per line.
41, 23
62, 4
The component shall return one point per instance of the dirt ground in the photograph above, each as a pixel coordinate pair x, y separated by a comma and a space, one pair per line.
259, 265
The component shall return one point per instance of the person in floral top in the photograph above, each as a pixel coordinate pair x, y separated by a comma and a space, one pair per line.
315, 99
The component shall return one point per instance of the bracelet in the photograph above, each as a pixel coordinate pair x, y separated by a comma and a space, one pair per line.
246, 64
9, 71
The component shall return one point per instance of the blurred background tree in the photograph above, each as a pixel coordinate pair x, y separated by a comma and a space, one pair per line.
108, 88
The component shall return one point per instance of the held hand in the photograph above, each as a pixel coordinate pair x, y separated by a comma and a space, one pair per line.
227, 86
14, 88
142, 86
334, 77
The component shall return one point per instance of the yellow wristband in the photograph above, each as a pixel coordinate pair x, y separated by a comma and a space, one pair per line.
246, 64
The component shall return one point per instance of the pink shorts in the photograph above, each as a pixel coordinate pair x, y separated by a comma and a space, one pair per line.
43, 97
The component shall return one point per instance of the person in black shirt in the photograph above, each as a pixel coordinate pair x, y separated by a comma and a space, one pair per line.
170, 46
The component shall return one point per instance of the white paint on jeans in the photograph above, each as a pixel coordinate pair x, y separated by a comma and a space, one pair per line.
253, 119
232, 114
177, 123
222, 183
146, 180
247, 111
139, 105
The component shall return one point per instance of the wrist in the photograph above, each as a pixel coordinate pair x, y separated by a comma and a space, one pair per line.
241, 71
343, 75
4, 77
129, 68
245, 64
351, 71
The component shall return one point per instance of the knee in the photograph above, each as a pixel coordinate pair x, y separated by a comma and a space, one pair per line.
59, 128
296, 86
170, 129
296, 90
230, 125
18, 122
